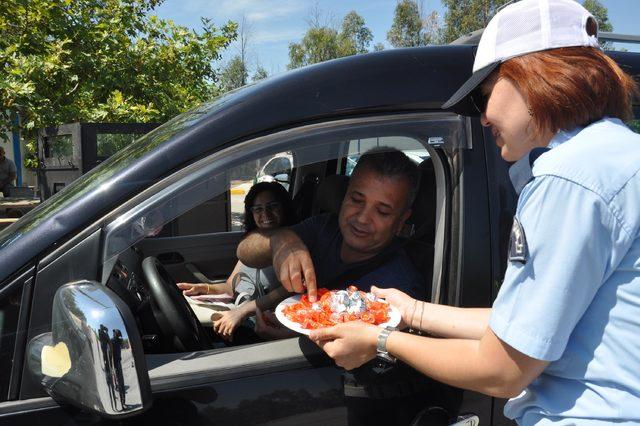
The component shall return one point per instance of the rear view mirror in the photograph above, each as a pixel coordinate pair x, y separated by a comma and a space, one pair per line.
93, 357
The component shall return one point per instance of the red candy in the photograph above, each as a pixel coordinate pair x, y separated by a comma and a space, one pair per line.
377, 312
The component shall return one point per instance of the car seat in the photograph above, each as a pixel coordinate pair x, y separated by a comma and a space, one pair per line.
303, 200
330, 193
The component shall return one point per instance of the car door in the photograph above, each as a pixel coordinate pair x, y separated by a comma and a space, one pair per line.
287, 381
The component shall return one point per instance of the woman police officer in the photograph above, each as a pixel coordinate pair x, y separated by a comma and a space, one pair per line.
562, 337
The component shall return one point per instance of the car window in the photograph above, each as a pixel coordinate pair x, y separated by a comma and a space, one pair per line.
314, 149
410, 146
9, 312
224, 211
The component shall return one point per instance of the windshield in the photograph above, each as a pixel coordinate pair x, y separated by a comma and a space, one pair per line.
110, 167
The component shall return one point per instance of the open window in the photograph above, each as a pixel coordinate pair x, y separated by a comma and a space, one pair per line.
135, 230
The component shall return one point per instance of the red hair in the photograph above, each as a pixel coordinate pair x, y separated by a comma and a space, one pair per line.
570, 87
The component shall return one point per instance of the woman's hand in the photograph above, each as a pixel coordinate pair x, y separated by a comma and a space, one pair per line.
350, 344
269, 328
403, 302
226, 323
191, 289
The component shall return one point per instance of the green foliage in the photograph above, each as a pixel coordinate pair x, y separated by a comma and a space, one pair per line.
260, 74
234, 75
322, 43
600, 13
410, 29
355, 37
465, 16
407, 26
101, 60
602, 17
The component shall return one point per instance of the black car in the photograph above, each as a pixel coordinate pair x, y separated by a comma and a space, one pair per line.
92, 327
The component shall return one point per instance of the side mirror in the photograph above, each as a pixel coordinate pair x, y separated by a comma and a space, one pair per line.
93, 357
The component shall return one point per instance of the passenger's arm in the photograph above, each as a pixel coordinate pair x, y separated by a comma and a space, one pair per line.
226, 322
228, 285
290, 256
270, 300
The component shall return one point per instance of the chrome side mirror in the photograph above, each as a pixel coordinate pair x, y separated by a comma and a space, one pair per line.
93, 357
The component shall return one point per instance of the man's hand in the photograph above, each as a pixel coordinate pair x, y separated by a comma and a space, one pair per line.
350, 344
292, 263
403, 302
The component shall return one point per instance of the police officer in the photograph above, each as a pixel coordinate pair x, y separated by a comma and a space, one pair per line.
562, 337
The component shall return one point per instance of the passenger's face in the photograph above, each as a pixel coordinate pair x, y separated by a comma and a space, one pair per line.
267, 211
372, 213
508, 116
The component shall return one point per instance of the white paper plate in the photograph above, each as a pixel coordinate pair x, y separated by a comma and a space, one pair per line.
394, 316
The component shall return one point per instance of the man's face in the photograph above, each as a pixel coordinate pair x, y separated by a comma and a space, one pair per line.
372, 213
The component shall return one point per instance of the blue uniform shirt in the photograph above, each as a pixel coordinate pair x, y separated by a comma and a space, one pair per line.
573, 297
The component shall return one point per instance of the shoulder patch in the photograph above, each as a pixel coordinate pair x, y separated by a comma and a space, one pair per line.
518, 250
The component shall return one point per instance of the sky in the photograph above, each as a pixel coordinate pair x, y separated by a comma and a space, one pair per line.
273, 24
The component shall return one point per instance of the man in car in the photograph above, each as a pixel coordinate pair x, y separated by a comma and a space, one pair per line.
359, 245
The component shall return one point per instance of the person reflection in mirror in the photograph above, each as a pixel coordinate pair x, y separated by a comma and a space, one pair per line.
267, 206
107, 351
116, 344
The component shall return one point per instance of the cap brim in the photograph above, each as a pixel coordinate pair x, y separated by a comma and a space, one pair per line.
461, 101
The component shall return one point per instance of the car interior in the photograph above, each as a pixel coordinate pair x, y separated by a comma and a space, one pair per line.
198, 243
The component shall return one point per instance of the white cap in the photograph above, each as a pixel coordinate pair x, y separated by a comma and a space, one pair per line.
525, 27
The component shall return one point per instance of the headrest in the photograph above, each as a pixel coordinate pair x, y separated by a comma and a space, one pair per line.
330, 193
423, 211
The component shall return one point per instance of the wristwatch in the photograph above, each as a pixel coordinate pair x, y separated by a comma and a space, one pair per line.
381, 346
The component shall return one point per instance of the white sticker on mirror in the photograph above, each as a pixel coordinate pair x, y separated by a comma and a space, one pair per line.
55, 360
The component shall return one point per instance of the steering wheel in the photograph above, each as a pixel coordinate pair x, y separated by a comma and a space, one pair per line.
175, 317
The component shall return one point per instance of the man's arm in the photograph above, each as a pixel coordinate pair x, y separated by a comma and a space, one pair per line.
288, 254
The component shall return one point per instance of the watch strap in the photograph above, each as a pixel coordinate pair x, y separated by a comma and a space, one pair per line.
381, 346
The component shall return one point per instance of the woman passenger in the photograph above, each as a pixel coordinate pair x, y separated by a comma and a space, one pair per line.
266, 206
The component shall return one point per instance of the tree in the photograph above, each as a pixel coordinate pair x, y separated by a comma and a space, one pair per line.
355, 37
378, 47
322, 42
602, 17
108, 60
410, 28
465, 16
260, 74
407, 26
234, 75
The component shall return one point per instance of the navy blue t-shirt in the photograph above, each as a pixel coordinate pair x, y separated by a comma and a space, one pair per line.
323, 238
